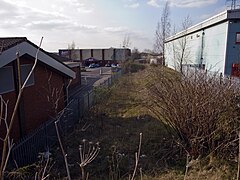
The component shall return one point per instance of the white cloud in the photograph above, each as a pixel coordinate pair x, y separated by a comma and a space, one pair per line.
83, 9
27, 18
134, 5
119, 29
192, 3
153, 3
62, 21
131, 3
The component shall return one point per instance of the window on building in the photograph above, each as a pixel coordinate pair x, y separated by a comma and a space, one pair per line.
25, 69
238, 38
6, 79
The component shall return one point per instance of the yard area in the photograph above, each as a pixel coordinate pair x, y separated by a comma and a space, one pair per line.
116, 122
114, 125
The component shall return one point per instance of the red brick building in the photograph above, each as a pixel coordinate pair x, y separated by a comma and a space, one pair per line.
45, 93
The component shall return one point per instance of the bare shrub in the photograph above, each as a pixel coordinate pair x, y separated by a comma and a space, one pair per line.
132, 67
199, 109
88, 152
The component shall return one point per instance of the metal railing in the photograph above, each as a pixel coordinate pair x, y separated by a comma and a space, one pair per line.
27, 150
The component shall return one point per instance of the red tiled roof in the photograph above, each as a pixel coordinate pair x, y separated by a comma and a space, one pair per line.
8, 42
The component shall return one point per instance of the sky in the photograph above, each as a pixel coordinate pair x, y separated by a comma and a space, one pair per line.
96, 23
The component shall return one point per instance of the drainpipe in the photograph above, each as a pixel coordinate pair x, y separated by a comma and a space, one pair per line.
202, 48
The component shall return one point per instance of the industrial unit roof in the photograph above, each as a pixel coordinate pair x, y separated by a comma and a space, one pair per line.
11, 45
219, 18
78, 49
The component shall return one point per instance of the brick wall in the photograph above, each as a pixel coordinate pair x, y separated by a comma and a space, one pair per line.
40, 101
44, 99
77, 81
11, 98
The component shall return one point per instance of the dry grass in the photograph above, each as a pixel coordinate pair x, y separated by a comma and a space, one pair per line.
116, 123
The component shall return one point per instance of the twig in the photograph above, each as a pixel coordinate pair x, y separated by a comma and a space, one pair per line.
187, 166
87, 156
45, 168
137, 155
238, 172
141, 174
3, 116
63, 152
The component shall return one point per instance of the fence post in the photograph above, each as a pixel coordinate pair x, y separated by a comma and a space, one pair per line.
46, 136
78, 109
221, 77
88, 99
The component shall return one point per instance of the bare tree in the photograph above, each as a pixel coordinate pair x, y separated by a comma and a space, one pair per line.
72, 45
135, 53
126, 41
71, 49
181, 49
162, 31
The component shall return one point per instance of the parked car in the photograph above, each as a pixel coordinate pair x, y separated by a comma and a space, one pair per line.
94, 65
107, 65
91, 66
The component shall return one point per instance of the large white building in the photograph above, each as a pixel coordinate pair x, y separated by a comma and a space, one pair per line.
213, 44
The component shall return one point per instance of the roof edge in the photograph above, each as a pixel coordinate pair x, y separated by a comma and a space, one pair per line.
27, 47
216, 19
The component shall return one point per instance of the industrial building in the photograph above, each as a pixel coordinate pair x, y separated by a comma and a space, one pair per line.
101, 56
213, 44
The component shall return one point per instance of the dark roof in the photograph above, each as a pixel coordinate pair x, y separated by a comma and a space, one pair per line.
59, 58
8, 42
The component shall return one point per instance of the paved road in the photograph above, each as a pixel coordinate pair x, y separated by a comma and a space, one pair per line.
88, 79
95, 71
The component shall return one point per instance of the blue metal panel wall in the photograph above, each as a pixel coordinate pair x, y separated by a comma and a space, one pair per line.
215, 47
233, 49
207, 46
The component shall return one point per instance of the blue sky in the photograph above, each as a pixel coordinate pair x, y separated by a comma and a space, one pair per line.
96, 23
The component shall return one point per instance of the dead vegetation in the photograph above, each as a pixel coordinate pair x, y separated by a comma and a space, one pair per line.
178, 116
200, 109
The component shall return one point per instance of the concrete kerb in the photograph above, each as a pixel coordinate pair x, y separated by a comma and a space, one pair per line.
105, 76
